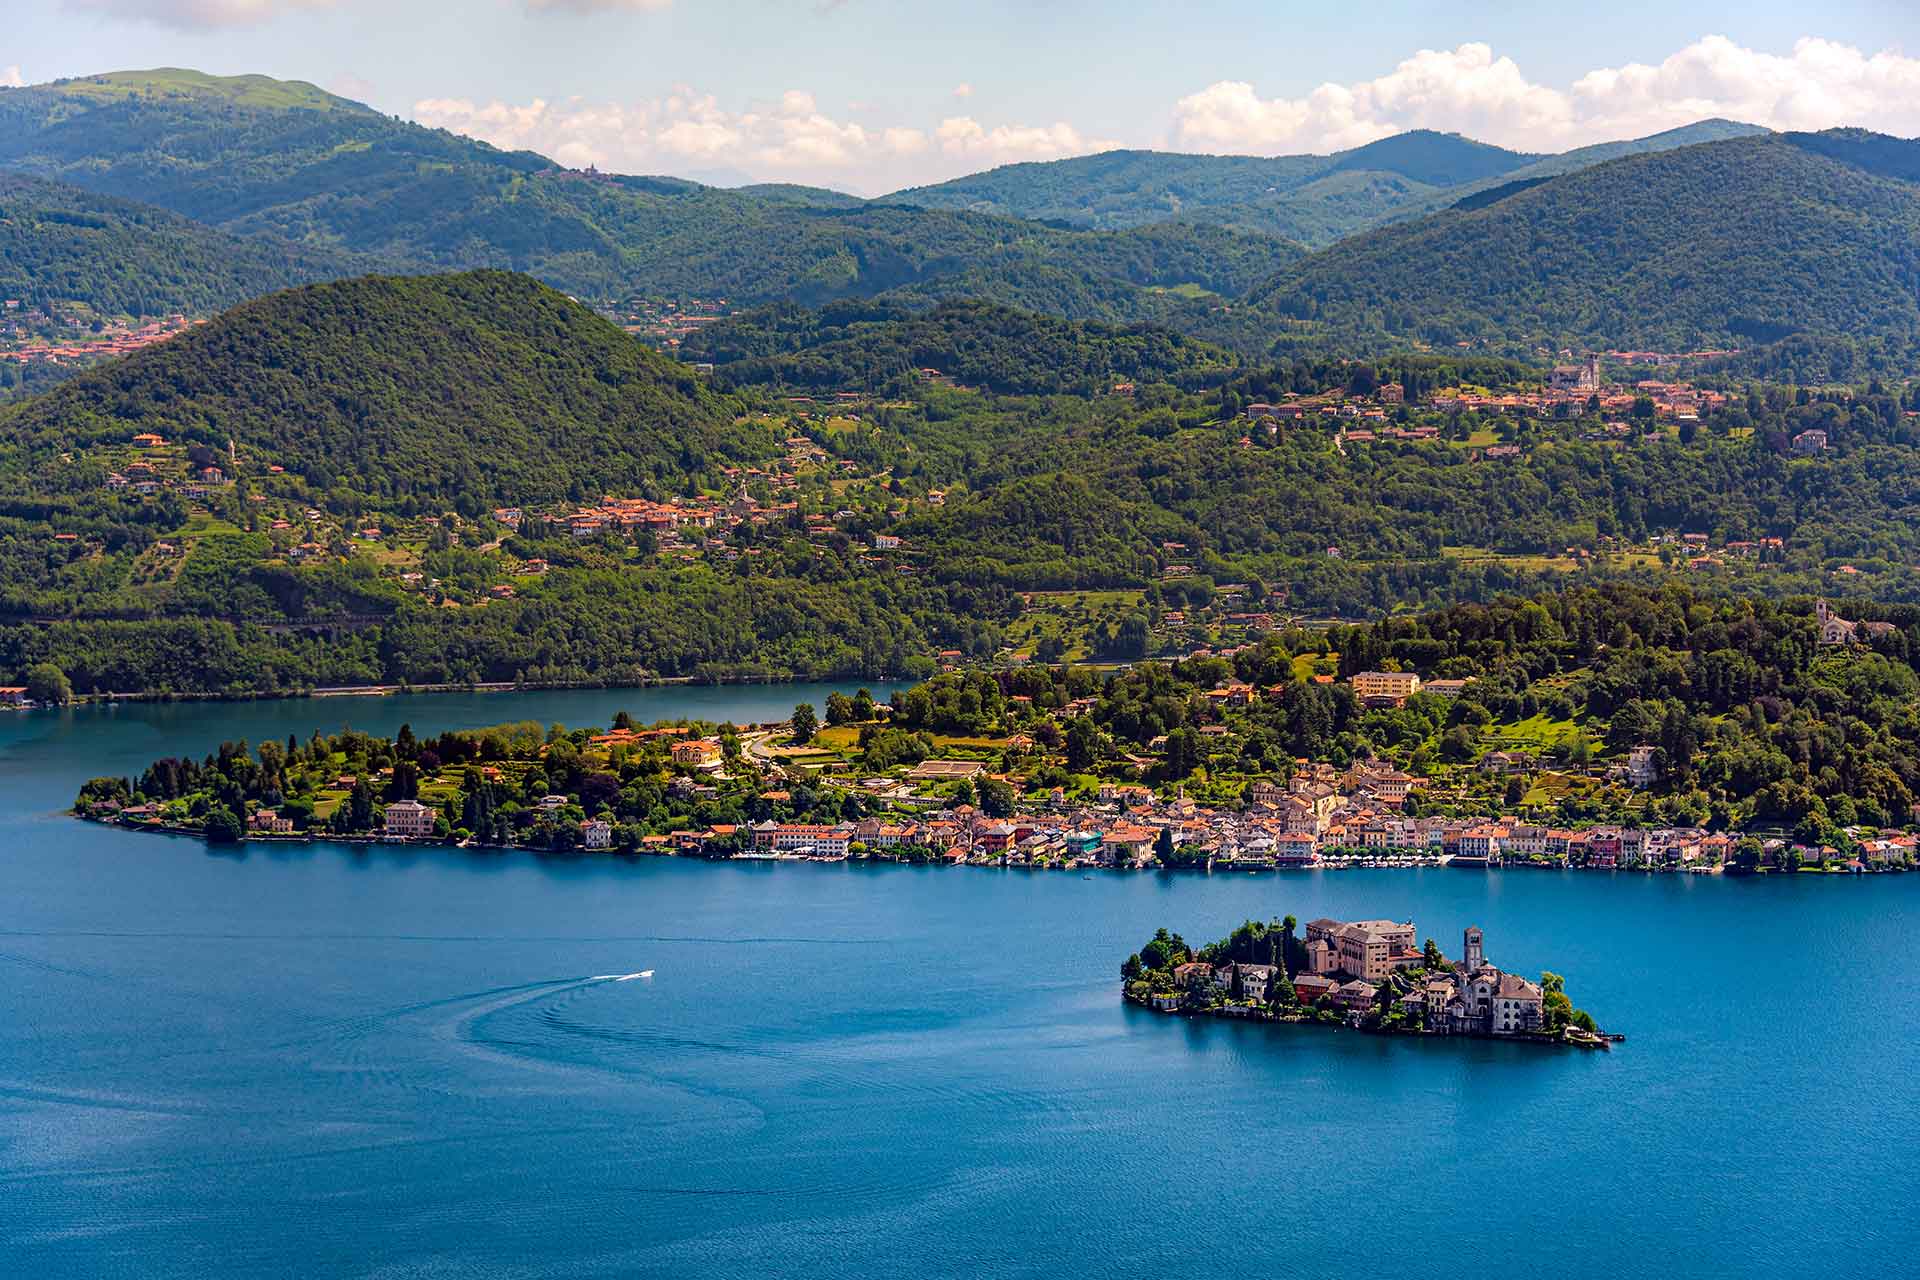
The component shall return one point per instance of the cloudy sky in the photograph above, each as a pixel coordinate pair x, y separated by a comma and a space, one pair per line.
872, 95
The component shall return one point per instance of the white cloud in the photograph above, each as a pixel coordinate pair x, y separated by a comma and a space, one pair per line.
10, 78
197, 13
1474, 91
791, 139
597, 6
1005, 144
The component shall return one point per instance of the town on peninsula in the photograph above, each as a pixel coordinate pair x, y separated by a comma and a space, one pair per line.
1258, 760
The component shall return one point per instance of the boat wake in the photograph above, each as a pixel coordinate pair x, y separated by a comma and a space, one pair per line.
620, 977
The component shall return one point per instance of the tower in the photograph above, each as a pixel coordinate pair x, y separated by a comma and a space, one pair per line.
1471, 957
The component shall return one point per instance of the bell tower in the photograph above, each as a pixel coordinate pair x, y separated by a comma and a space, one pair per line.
1472, 955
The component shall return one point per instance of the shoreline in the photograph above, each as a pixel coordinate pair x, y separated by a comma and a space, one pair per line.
1084, 868
405, 689
1602, 1040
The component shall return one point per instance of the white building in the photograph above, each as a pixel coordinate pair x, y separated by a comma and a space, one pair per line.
410, 818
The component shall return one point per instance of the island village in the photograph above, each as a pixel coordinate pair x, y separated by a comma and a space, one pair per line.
1370, 974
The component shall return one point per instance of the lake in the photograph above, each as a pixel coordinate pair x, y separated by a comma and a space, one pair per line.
379, 1063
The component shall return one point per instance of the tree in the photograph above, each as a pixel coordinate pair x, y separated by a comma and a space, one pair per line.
48, 685
839, 709
1432, 958
222, 826
996, 797
1556, 1011
1163, 845
1292, 951
405, 783
804, 723
1131, 968
1164, 950
1280, 992
359, 807
1082, 744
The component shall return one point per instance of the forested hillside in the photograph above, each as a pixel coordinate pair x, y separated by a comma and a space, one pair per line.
877, 346
453, 391
70, 253
259, 157
1733, 243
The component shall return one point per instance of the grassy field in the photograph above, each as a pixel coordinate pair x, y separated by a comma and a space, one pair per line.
246, 91
1535, 734
1070, 614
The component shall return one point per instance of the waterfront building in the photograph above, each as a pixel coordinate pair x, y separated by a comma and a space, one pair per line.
409, 818
1479, 999
1368, 949
1252, 981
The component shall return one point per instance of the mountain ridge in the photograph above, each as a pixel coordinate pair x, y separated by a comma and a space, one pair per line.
1742, 241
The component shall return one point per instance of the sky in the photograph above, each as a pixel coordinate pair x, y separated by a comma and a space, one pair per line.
869, 96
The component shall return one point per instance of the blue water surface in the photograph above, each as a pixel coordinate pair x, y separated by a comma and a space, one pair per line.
375, 1063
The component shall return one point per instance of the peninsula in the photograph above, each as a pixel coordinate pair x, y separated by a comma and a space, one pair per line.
1626, 757
1367, 974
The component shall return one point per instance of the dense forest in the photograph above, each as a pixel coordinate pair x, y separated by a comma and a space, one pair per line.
66, 252
877, 346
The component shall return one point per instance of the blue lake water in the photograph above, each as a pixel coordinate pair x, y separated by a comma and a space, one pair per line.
398, 1064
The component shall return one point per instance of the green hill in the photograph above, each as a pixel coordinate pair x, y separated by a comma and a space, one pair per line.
74, 254
255, 157
1737, 242
459, 390
876, 347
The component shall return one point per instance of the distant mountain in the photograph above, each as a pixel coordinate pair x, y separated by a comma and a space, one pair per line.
1736, 242
1314, 200
78, 256
1116, 189
454, 390
1586, 157
1433, 159
872, 346
259, 157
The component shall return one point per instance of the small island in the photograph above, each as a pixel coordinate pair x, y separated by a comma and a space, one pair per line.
1366, 974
